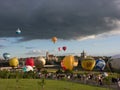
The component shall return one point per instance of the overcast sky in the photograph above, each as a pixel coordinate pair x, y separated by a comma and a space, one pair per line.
66, 19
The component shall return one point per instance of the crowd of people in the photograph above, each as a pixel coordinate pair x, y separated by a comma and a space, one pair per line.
87, 78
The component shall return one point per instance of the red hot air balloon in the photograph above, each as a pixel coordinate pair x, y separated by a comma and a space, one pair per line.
29, 61
64, 48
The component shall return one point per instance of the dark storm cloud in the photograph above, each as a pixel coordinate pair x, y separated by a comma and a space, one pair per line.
66, 19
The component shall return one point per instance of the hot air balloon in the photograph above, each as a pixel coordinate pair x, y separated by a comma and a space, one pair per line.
64, 48
100, 64
114, 64
29, 62
6, 56
18, 31
54, 39
88, 63
68, 62
13, 62
59, 48
27, 68
39, 62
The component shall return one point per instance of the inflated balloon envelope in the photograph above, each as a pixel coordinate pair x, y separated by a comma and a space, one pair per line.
64, 48
6, 55
69, 62
88, 63
13, 62
39, 62
114, 64
29, 61
54, 39
27, 68
100, 64
18, 31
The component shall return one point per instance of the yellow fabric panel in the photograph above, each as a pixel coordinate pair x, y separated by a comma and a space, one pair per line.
88, 64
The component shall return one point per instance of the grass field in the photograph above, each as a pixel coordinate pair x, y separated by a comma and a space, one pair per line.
35, 84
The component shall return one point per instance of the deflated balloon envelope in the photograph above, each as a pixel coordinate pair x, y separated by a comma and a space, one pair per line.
100, 64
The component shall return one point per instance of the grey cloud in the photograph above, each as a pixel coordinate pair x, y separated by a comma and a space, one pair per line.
66, 19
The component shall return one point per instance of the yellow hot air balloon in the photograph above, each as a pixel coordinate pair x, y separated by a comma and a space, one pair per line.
88, 63
54, 39
69, 62
13, 62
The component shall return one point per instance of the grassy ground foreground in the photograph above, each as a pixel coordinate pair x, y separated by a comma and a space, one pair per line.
35, 84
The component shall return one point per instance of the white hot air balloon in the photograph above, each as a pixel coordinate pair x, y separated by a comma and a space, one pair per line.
18, 31
27, 68
114, 64
39, 62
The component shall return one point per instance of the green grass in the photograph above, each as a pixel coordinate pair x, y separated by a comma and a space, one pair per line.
32, 84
